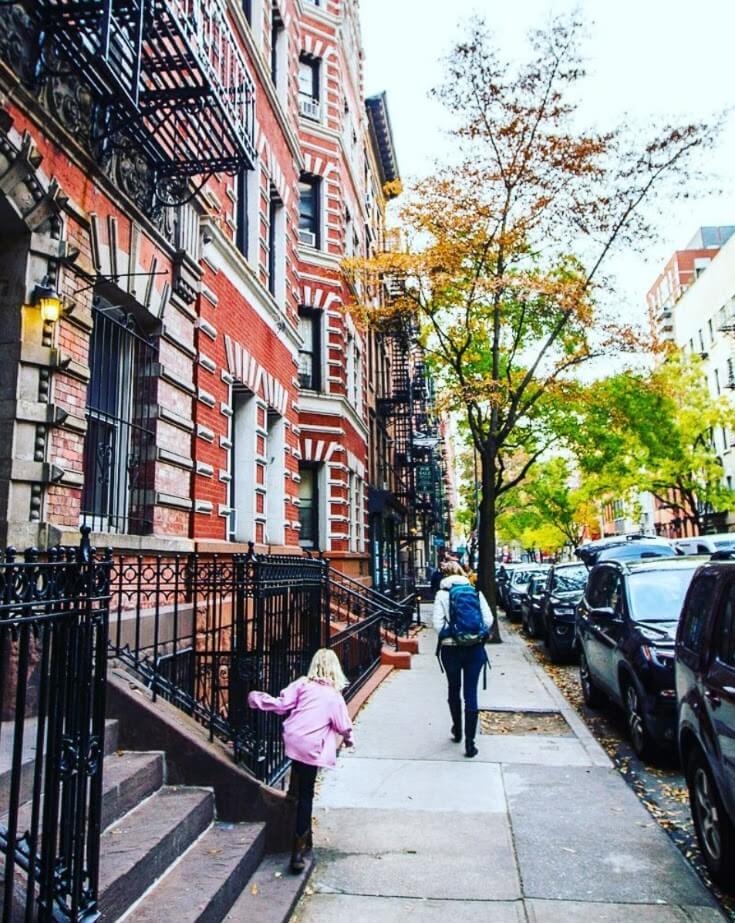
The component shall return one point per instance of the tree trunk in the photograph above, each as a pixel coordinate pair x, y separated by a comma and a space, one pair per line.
486, 539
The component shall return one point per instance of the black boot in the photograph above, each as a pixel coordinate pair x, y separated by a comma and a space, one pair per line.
455, 710
470, 729
298, 861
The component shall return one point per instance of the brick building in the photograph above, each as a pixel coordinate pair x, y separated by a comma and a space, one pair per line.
178, 187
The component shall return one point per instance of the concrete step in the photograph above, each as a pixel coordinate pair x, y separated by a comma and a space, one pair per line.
204, 885
129, 778
272, 892
28, 756
137, 849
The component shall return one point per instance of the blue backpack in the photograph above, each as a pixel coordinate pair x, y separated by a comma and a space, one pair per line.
466, 625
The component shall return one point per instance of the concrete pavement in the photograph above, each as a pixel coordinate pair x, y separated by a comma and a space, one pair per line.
536, 828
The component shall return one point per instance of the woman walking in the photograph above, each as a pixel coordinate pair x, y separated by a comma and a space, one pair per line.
462, 620
317, 714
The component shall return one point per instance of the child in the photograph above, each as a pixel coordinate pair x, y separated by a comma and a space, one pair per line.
316, 715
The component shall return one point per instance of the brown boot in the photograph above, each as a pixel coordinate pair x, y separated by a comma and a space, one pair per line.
298, 862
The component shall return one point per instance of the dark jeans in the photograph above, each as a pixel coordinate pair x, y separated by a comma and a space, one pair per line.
303, 778
463, 666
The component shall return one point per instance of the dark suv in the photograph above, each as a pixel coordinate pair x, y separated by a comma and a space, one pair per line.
626, 625
563, 590
705, 690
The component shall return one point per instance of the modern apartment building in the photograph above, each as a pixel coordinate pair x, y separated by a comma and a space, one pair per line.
700, 309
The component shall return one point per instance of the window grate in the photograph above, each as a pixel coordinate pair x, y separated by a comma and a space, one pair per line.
119, 451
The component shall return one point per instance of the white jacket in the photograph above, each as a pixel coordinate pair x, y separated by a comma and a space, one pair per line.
440, 616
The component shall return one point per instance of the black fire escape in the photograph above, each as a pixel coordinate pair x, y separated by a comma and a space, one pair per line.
167, 78
418, 452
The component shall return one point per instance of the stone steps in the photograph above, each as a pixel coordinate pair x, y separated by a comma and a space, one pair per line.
28, 755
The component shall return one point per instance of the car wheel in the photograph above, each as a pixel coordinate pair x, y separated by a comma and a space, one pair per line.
635, 717
590, 693
714, 829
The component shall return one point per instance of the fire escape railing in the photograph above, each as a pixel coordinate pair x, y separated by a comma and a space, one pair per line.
168, 74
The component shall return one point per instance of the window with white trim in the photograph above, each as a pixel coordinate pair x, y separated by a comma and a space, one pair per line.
309, 92
310, 210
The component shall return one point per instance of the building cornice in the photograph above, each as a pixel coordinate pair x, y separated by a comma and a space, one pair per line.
330, 405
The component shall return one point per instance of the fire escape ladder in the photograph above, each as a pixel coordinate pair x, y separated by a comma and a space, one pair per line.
168, 75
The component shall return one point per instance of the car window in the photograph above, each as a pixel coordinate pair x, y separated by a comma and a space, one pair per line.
702, 549
570, 578
604, 591
725, 633
657, 595
696, 612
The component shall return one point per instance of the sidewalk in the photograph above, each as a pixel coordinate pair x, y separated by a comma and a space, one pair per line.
538, 829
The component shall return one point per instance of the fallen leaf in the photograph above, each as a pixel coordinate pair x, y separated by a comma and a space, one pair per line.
254, 889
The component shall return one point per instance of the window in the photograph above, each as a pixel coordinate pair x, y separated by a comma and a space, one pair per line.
696, 610
356, 511
309, 70
309, 211
309, 505
701, 341
276, 246
711, 332
725, 635
604, 590
354, 372
277, 39
242, 465
275, 497
120, 440
246, 213
310, 353
718, 389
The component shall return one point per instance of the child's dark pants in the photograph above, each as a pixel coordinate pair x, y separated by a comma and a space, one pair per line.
305, 777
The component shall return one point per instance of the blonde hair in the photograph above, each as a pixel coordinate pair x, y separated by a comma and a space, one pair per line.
452, 569
325, 665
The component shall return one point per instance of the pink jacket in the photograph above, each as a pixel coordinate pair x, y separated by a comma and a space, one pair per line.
316, 714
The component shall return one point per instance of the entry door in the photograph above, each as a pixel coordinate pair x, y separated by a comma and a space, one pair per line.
719, 687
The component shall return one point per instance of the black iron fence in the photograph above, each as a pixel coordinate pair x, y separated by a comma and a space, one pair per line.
204, 630
53, 649
201, 630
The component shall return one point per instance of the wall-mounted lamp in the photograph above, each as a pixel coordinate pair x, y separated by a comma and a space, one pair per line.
47, 299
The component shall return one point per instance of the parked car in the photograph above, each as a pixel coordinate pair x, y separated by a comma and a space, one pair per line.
626, 626
623, 546
706, 544
564, 588
516, 589
532, 603
705, 692
502, 576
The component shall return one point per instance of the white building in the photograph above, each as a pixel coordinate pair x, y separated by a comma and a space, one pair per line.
704, 323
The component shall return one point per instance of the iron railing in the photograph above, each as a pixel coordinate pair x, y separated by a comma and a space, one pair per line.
53, 648
203, 631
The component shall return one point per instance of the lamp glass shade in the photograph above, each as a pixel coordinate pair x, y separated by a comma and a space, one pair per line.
50, 308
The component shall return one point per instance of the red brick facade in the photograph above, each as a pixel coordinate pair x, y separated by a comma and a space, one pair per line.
200, 303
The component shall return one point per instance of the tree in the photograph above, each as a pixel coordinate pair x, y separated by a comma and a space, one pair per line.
506, 244
655, 432
550, 509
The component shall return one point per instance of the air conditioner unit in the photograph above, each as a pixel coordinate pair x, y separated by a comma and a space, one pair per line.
310, 108
307, 237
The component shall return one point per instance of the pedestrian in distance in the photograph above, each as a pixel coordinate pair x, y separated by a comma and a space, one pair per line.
462, 620
317, 716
